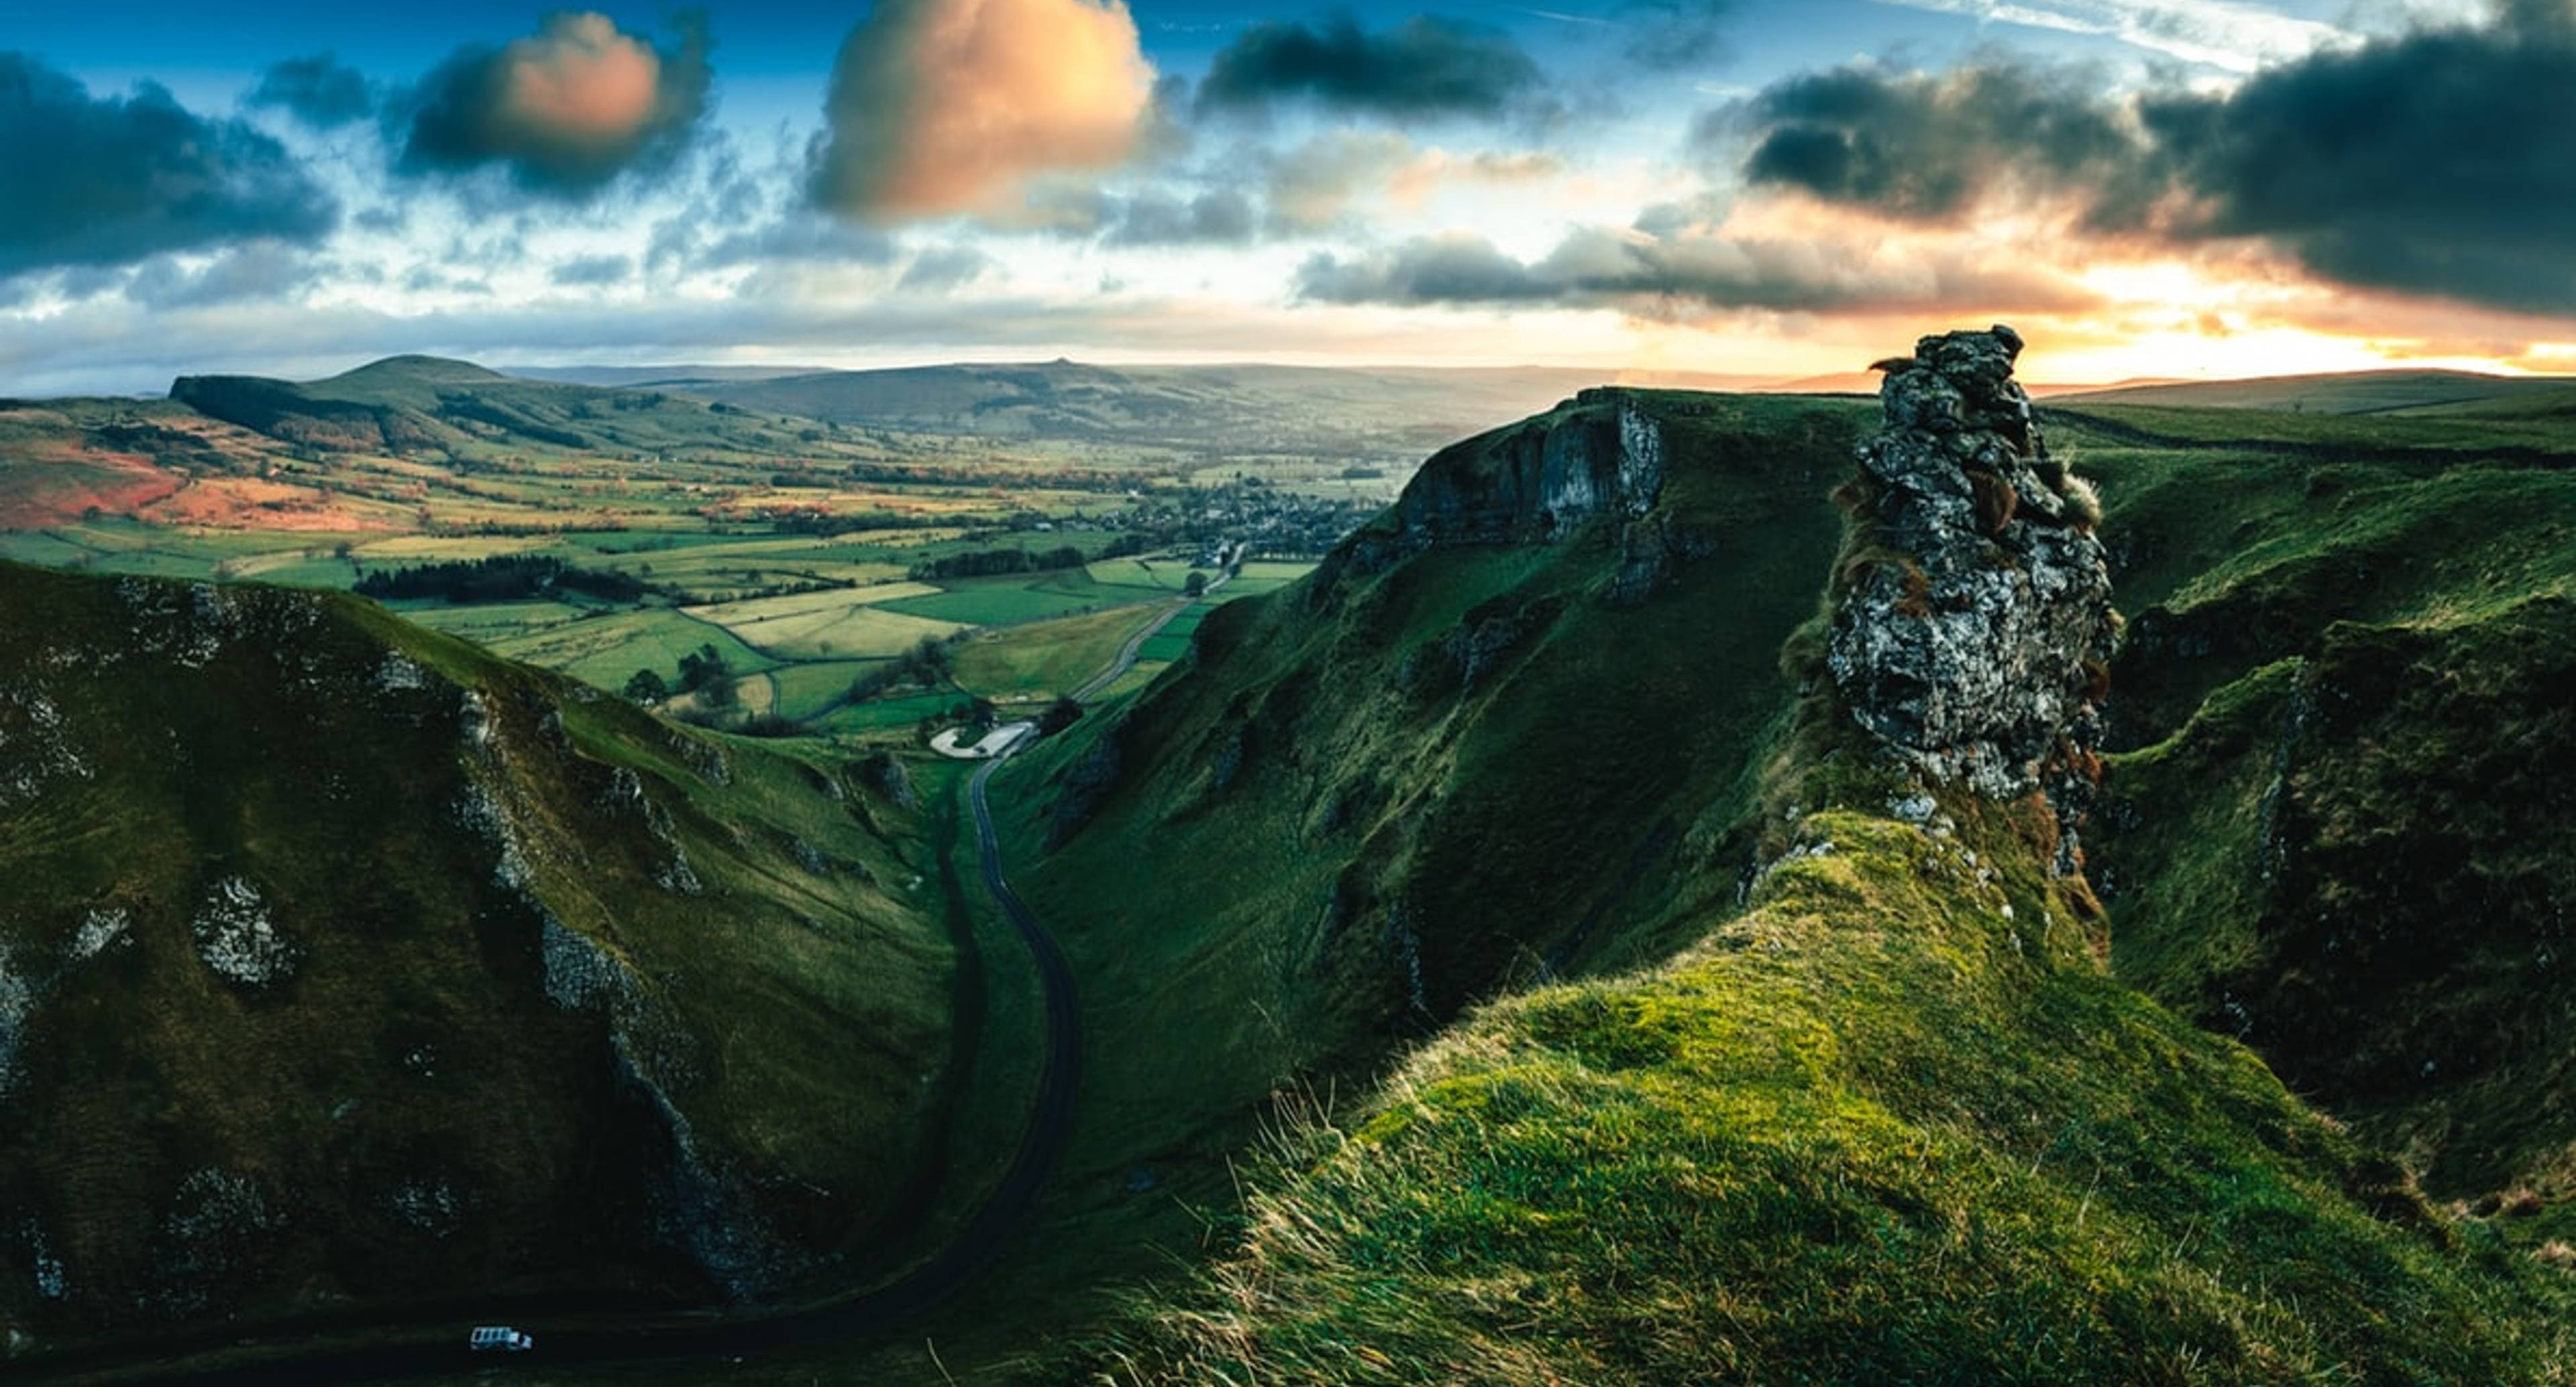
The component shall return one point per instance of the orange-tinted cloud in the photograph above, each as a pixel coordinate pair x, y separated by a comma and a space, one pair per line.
566, 109
954, 106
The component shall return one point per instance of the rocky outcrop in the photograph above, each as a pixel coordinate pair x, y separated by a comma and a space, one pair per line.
1975, 619
884, 774
1534, 483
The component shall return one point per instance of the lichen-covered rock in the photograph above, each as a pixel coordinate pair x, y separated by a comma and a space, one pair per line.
101, 928
1976, 623
236, 938
580, 975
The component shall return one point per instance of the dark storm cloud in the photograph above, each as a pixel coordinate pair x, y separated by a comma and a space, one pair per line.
1927, 147
317, 91
1678, 273
2441, 162
1426, 66
565, 111
113, 180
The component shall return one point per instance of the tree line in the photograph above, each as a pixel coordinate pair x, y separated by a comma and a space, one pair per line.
500, 578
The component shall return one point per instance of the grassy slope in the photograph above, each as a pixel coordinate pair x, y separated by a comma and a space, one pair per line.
1330, 809
408, 1115
1045, 658
2341, 831
1893, 1124
1872, 1131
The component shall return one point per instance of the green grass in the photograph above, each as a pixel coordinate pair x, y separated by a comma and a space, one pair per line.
1173, 641
832, 624
1047, 657
885, 714
1872, 1131
607, 649
1003, 601
358, 773
2342, 692
807, 691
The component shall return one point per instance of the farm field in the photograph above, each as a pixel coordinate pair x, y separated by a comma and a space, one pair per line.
620, 532
1173, 641
793, 653
830, 623
1043, 659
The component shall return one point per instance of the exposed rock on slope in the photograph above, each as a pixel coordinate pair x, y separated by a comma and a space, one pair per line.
341, 963
1540, 480
1467, 750
1892, 1123
2342, 804
1973, 633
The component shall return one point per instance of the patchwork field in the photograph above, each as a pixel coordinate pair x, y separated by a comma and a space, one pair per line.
1043, 659
617, 532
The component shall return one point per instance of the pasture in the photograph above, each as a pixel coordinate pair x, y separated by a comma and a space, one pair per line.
1046, 658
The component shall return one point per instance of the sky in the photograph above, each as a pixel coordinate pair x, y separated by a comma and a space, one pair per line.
1772, 188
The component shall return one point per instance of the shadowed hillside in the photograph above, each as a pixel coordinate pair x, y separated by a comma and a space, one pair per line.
1543, 677
2339, 824
344, 966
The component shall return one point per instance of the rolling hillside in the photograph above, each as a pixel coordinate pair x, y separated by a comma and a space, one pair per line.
1601, 1002
1379, 414
2351, 392
1344, 776
1887, 1117
345, 968
419, 402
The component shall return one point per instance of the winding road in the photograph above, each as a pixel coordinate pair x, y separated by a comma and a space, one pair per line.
1117, 668
1005, 1212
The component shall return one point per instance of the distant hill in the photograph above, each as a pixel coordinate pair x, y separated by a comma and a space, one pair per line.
655, 377
405, 403
2350, 392
1382, 413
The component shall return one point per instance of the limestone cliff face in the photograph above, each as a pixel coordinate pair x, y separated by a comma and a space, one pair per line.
1535, 483
1972, 632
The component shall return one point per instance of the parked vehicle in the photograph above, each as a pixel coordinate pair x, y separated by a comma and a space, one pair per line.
498, 1338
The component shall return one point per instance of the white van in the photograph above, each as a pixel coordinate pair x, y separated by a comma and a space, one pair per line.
498, 1338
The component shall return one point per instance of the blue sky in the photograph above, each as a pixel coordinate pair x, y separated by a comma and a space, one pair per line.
1741, 186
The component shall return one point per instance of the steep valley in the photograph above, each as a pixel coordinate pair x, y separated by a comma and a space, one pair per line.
1582, 933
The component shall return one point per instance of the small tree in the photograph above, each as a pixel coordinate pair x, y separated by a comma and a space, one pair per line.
1194, 585
647, 687
1061, 714
708, 675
